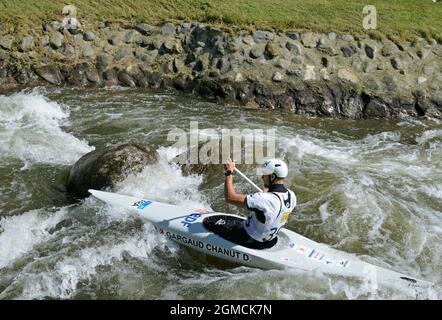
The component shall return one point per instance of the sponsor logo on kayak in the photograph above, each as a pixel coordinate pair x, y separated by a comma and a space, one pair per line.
141, 204
343, 263
191, 218
208, 247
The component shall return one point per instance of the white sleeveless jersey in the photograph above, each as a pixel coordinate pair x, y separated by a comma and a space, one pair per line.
275, 207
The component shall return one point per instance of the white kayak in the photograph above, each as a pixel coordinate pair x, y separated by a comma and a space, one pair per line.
207, 232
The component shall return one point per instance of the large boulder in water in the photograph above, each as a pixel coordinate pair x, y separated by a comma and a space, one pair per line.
103, 168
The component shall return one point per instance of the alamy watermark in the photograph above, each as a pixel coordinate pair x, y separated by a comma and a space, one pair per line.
370, 21
216, 146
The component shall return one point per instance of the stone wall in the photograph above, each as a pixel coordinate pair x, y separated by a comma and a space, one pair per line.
310, 74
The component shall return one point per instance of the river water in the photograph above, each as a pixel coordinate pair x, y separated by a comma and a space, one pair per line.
372, 188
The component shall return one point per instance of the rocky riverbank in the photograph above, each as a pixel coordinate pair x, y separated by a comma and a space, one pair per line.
311, 74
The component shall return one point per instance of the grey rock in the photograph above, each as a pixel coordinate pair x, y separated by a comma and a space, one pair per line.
110, 76
69, 50
293, 35
347, 37
421, 80
309, 39
126, 80
277, 77
50, 73
103, 60
92, 75
89, 36
438, 51
293, 47
223, 65
131, 36
104, 168
88, 51
428, 70
257, 52
370, 50
184, 28
389, 49
150, 57
78, 39
423, 53
332, 35
46, 27
6, 42
271, 50
76, 76
26, 44
3, 73
115, 39
202, 63
171, 46
348, 76
376, 109
352, 106
357, 65
282, 64
144, 29
349, 51
167, 67
298, 60
56, 40
2, 56
262, 36
105, 32
168, 29
390, 83
327, 47
248, 40
396, 63
122, 53
44, 41
178, 65
369, 67
73, 28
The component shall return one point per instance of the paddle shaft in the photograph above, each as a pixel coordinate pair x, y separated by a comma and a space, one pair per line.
248, 180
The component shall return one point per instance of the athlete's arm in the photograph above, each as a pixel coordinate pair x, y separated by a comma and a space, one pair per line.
230, 194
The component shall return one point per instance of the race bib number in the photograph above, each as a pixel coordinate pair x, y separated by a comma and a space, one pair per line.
285, 217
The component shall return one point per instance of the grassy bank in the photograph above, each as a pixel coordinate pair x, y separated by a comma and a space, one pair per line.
403, 18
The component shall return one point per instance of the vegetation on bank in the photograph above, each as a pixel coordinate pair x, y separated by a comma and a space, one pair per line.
403, 18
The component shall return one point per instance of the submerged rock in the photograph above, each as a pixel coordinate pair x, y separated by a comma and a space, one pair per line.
104, 168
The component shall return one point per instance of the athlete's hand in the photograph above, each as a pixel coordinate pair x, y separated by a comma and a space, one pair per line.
230, 165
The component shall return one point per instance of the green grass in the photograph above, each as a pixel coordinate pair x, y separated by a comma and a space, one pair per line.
403, 18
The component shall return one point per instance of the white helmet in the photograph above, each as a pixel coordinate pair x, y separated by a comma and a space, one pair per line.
276, 166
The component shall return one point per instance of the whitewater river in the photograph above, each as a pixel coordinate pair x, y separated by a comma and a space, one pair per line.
371, 188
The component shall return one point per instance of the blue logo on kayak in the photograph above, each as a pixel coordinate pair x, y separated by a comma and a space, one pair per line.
191, 218
141, 204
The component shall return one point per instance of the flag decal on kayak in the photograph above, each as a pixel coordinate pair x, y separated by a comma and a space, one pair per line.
141, 204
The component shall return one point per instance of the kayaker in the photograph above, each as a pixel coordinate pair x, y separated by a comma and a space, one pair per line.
269, 210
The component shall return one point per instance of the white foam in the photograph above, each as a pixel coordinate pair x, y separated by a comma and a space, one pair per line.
302, 146
429, 135
164, 182
21, 233
433, 191
62, 282
30, 130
